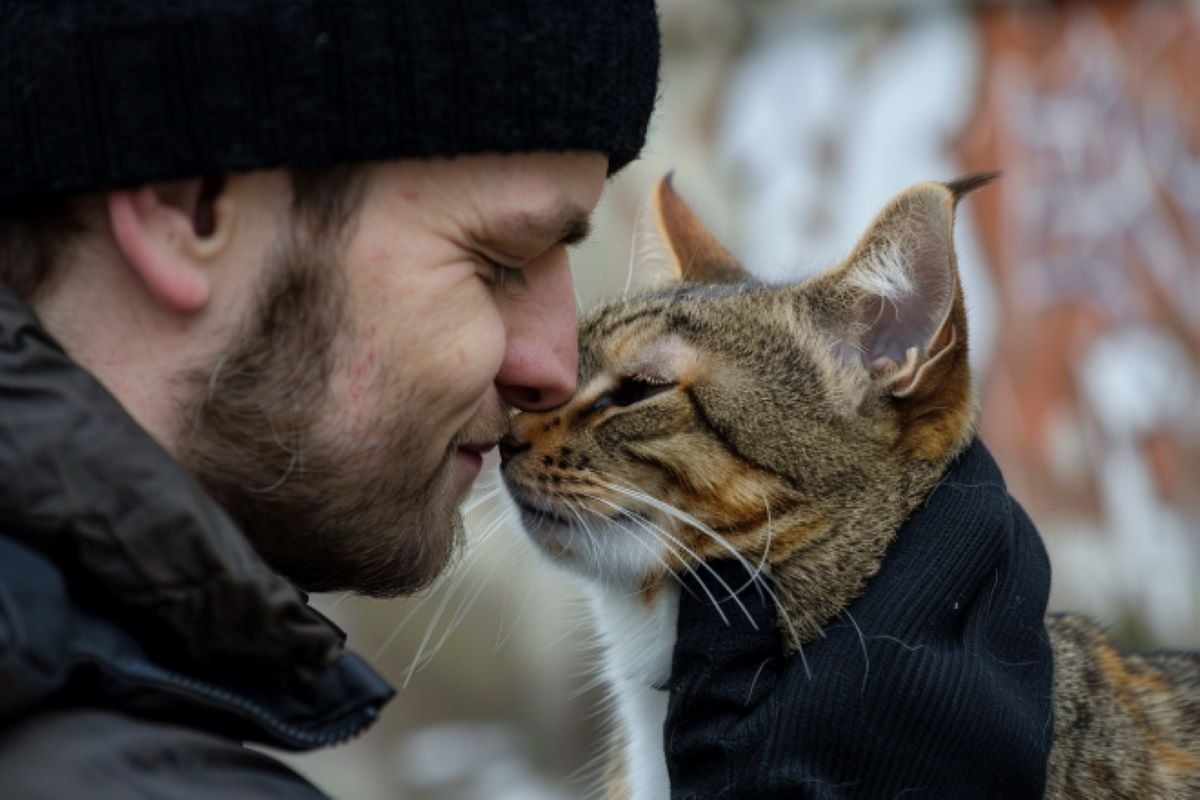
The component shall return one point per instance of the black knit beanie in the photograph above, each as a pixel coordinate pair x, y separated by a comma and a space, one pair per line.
97, 95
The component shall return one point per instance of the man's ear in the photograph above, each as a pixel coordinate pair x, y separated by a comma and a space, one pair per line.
169, 234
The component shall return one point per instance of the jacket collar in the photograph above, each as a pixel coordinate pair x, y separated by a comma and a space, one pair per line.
131, 530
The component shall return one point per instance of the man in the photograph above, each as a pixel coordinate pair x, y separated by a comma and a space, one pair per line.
312, 252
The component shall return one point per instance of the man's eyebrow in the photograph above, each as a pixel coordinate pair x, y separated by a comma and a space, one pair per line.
566, 225
577, 229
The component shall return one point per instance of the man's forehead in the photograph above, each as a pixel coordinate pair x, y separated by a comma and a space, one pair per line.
518, 199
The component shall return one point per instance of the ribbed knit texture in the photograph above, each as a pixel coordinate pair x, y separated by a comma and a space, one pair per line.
937, 684
102, 94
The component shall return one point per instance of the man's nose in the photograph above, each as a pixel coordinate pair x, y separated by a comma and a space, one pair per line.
541, 359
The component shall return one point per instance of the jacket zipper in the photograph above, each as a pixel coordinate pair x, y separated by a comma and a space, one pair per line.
282, 731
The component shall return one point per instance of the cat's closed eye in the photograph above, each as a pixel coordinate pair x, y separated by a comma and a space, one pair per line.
632, 389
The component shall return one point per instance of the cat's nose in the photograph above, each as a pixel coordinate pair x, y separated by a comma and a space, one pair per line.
511, 446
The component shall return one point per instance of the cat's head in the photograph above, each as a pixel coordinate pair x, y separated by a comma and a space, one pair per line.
716, 413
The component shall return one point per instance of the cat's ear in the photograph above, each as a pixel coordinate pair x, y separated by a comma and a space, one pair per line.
901, 293
671, 245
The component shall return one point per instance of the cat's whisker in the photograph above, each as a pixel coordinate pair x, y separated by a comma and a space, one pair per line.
502, 637
761, 586
755, 574
862, 643
442, 580
754, 680
589, 537
656, 530
452, 579
688, 519
909, 647
682, 516
445, 601
597, 680
762, 562
589, 540
597, 540
592, 771
465, 607
557, 640
460, 614
492, 526
624, 513
418, 660
633, 249
478, 500
399, 627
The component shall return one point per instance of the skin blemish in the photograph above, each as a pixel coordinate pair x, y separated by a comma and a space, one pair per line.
360, 378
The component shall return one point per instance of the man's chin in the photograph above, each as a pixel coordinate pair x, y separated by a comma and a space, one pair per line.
402, 552
394, 568
377, 539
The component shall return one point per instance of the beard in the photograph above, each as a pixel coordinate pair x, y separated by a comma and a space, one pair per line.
327, 513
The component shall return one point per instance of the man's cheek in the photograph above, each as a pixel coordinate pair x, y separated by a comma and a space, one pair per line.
480, 341
356, 387
473, 368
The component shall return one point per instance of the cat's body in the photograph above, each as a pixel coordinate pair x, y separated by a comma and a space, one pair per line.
797, 427
1125, 725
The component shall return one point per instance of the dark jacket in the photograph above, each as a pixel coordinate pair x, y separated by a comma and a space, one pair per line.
141, 638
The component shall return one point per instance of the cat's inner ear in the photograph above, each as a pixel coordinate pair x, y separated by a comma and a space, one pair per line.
902, 288
671, 245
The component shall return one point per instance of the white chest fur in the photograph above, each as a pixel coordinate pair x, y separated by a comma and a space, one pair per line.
639, 639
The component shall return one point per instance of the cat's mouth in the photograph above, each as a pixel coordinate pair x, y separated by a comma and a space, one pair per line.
539, 515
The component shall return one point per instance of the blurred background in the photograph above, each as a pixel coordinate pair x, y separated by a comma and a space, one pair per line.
788, 124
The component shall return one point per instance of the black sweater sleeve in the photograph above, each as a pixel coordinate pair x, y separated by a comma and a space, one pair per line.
934, 684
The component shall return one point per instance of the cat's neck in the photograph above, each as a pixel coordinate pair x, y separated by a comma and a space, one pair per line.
816, 581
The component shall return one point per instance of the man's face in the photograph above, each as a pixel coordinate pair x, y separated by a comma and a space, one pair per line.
344, 424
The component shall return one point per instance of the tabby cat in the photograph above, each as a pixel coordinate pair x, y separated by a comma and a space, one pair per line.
706, 394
